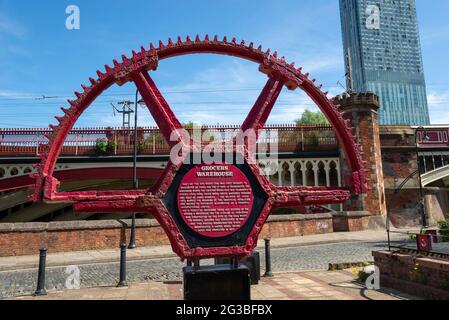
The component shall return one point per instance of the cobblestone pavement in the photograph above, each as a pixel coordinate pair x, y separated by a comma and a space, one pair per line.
311, 257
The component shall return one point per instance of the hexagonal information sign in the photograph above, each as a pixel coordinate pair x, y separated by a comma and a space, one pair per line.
215, 205
207, 209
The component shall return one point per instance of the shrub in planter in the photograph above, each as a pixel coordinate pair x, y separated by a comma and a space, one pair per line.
444, 230
101, 146
111, 145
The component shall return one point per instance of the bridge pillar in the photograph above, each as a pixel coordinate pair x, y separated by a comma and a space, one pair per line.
362, 110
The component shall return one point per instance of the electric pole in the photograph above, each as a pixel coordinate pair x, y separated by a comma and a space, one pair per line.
126, 112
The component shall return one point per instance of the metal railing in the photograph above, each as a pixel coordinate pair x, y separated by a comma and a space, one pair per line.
120, 141
425, 241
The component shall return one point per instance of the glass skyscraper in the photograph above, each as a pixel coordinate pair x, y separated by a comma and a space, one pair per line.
383, 55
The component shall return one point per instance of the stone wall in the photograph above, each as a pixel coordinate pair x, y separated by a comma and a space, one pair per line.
351, 221
423, 277
26, 238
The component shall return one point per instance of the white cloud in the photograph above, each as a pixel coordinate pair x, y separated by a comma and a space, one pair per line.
18, 51
14, 94
438, 106
9, 26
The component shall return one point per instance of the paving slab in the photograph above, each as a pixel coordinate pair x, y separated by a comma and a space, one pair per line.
268, 289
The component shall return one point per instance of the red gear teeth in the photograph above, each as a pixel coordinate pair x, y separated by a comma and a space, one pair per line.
60, 119
66, 111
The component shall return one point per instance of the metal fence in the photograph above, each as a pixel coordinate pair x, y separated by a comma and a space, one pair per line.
425, 241
288, 138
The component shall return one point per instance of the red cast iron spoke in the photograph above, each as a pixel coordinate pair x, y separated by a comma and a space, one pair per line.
262, 108
158, 106
113, 195
294, 196
113, 206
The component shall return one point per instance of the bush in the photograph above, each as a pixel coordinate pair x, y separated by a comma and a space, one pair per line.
362, 276
444, 230
413, 236
111, 146
101, 145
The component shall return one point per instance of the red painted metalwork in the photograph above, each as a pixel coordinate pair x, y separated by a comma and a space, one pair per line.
135, 69
103, 173
435, 138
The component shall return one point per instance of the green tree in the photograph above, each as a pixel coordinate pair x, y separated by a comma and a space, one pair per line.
311, 118
190, 125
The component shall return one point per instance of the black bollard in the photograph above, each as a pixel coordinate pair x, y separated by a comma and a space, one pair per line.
122, 282
196, 264
268, 272
132, 242
40, 291
235, 262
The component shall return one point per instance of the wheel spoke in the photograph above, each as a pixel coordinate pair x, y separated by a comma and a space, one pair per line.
158, 107
262, 108
295, 196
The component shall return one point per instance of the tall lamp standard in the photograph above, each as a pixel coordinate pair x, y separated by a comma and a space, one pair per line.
422, 207
132, 242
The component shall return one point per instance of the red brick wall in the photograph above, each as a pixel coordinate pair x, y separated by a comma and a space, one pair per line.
368, 134
27, 238
294, 227
348, 224
361, 109
420, 276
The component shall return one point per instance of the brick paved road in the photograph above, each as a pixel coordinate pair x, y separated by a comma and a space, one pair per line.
310, 257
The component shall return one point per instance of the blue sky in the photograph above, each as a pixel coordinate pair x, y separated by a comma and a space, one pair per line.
39, 56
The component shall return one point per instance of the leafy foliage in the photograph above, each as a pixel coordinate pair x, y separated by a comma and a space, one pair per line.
312, 118
101, 145
190, 125
444, 230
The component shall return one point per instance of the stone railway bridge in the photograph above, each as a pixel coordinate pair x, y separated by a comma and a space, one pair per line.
306, 155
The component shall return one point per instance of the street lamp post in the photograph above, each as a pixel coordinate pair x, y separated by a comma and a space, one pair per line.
132, 242
422, 207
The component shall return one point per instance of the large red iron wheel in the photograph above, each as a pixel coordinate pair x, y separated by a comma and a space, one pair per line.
137, 69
